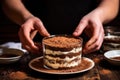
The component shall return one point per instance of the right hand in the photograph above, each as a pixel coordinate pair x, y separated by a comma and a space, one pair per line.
91, 25
28, 31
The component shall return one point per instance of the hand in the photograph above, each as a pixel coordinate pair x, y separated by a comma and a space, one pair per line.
92, 26
28, 31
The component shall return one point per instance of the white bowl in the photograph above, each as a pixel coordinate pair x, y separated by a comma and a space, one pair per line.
9, 55
109, 55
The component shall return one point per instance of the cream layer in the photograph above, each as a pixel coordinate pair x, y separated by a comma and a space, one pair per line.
74, 50
65, 65
67, 61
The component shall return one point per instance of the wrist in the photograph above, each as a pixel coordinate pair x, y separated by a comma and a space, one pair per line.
26, 17
100, 13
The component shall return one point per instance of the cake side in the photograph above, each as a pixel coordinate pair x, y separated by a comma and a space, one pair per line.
62, 52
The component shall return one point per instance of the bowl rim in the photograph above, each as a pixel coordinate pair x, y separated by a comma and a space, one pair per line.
14, 57
110, 52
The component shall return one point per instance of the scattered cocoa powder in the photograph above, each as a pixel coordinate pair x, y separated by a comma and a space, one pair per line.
18, 75
105, 71
96, 60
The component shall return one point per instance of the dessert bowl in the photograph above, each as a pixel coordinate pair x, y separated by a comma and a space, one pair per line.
113, 56
9, 55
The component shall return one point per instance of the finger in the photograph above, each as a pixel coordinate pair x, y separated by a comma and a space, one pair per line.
26, 47
81, 26
33, 34
30, 49
40, 27
25, 38
96, 33
96, 45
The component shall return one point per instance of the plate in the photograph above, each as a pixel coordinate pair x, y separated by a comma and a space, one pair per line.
37, 65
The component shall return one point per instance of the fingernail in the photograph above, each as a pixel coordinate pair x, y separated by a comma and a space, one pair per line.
75, 33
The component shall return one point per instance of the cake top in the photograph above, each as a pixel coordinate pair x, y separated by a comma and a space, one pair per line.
63, 42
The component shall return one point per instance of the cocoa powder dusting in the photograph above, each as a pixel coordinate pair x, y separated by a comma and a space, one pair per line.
62, 42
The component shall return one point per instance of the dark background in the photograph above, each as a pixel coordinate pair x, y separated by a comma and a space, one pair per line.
9, 30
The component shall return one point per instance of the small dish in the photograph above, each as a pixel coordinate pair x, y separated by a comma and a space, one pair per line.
111, 42
113, 56
37, 65
9, 55
112, 38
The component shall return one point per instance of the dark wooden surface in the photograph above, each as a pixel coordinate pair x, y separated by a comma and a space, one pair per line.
21, 71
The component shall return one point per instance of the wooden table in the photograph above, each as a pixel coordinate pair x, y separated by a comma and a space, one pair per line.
21, 71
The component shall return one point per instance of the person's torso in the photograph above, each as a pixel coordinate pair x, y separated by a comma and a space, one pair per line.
60, 16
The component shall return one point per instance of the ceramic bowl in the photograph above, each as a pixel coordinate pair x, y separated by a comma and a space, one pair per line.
113, 56
9, 55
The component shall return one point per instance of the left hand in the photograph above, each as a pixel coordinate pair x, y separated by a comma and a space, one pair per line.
93, 28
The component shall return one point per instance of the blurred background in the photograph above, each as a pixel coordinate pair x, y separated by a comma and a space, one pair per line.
9, 30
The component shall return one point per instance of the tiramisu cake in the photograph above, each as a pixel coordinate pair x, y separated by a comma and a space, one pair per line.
62, 52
